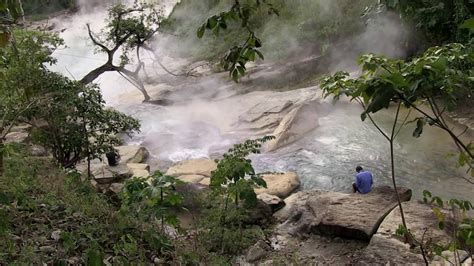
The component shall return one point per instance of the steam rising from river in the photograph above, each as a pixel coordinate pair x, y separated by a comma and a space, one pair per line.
200, 122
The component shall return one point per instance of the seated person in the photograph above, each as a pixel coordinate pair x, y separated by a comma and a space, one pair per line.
364, 181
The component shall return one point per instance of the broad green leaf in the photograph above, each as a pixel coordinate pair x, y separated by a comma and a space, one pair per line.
468, 24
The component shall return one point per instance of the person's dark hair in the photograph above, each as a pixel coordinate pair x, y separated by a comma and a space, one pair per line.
359, 168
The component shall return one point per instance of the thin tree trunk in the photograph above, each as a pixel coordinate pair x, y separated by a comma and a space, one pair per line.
2, 152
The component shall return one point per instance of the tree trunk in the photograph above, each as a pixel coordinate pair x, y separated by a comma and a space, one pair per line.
132, 77
2, 152
94, 74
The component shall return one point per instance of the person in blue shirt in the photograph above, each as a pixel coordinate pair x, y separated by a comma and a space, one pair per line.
364, 181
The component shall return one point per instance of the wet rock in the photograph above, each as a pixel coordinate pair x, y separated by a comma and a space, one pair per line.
274, 202
132, 154
202, 167
280, 185
265, 108
294, 125
257, 251
111, 174
353, 216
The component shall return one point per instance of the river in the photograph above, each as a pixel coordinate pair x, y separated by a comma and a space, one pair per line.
325, 158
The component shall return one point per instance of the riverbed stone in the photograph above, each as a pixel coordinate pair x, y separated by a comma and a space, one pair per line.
280, 185
139, 166
202, 166
191, 178
355, 216
265, 108
111, 174
132, 154
387, 247
274, 202
257, 251
294, 125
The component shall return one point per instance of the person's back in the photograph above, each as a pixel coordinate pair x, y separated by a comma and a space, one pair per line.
364, 181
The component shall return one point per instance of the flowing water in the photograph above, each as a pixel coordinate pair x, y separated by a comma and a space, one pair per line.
324, 158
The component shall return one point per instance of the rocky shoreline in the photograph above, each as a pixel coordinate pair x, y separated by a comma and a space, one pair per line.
308, 226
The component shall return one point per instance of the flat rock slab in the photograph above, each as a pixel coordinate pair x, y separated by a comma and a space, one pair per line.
111, 174
354, 216
202, 167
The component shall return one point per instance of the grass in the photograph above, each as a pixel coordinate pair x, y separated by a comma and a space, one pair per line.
48, 216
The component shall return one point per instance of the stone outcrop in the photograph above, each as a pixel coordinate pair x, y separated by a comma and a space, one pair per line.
257, 251
354, 216
387, 247
132, 154
274, 202
111, 174
294, 125
202, 167
280, 185
191, 178
139, 169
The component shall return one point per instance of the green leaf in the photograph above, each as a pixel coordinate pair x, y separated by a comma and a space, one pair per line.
95, 257
211, 22
420, 123
200, 31
468, 24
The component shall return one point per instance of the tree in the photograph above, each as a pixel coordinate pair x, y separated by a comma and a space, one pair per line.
236, 179
154, 197
10, 12
22, 67
440, 75
238, 56
76, 123
436, 20
127, 30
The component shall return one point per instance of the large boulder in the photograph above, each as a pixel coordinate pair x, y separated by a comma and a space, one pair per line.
294, 125
280, 185
132, 154
387, 247
355, 216
202, 167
